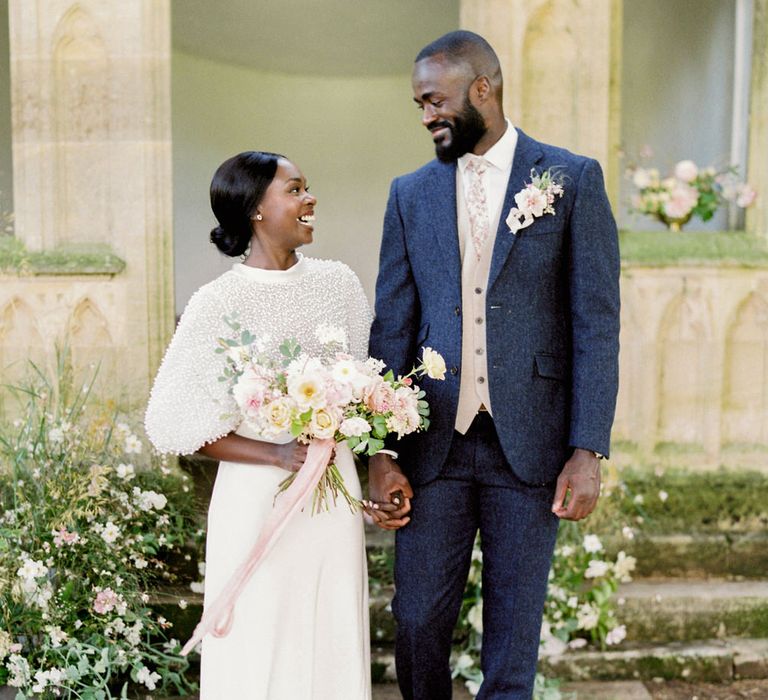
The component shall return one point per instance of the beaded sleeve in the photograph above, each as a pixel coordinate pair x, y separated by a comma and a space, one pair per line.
189, 407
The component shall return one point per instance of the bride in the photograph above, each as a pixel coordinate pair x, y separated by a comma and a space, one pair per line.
300, 628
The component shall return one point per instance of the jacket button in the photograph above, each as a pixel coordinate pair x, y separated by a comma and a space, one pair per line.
454, 370
481, 380
457, 311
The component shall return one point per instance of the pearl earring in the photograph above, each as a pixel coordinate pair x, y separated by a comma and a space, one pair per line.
259, 217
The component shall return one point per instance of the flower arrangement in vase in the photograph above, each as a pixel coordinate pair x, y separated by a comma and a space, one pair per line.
690, 191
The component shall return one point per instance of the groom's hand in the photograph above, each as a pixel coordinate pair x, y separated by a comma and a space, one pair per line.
389, 491
580, 477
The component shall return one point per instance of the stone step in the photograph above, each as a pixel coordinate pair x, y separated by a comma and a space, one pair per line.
681, 610
655, 611
715, 660
719, 555
658, 610
704, 555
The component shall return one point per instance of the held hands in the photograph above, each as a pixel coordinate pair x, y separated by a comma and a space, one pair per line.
390, 493
580, 477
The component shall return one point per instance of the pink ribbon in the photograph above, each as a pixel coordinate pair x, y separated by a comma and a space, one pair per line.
218, 616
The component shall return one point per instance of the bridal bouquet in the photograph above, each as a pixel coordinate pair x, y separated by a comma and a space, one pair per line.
329, 396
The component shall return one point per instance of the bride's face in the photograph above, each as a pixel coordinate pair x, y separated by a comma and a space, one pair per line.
287, 209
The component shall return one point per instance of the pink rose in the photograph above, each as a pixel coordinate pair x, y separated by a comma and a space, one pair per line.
379, 396
682, 199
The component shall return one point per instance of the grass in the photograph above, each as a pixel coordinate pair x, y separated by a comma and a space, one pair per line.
697, 248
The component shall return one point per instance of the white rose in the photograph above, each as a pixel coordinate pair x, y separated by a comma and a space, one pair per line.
641, 179
686, 171
307, 390
354, 427
278, 415
323, 424
434, 364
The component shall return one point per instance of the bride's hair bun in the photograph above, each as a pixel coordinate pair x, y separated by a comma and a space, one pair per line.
237, 188
234, 246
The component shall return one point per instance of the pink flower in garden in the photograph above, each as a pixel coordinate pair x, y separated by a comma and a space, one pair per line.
62, 536
107, 601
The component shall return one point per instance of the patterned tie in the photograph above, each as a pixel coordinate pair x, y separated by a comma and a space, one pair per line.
477, 205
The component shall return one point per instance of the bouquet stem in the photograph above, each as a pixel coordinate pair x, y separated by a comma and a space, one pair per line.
329, 487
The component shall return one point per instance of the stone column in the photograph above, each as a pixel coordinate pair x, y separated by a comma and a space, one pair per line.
561, 61
757, 215
90, 83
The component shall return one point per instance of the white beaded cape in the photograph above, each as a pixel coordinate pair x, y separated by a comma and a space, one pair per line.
188, 406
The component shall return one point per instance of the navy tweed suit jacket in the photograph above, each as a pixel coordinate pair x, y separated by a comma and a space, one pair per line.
552, 313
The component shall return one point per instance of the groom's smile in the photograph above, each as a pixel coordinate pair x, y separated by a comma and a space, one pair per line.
442, 93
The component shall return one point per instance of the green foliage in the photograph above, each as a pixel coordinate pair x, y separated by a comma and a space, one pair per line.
88, 521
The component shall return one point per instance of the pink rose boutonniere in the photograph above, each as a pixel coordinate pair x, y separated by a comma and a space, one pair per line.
535, 199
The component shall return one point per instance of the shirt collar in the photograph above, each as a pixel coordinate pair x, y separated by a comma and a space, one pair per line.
499, 155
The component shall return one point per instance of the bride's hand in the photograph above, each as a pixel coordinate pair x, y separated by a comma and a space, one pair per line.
290, 456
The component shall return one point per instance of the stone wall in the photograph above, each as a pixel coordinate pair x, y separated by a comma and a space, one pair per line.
693, 366
90, 99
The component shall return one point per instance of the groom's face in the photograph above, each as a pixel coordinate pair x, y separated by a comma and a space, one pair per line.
442, 91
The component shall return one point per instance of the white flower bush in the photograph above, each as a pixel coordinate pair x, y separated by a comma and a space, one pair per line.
88, 520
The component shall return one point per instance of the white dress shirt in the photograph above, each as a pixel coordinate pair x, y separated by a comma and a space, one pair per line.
473, 387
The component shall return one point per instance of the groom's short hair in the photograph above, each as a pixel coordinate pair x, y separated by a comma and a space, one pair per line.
469, 48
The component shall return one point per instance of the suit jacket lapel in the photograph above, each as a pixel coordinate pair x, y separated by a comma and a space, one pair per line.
527, 154
443, 220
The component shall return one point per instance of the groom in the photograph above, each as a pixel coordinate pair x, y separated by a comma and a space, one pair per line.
525, 309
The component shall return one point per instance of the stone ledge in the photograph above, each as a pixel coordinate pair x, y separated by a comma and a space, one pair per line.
97, 259
724, 555
716, 249
708, 661
681, 610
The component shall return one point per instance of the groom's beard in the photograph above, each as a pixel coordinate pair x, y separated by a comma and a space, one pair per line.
467, 129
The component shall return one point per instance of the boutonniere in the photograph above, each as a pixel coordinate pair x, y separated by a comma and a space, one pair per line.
535, 199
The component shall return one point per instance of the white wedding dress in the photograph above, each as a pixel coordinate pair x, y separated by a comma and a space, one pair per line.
300, 630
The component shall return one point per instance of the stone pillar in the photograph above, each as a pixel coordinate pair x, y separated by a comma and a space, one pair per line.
757, 215
561, 61
90, 96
